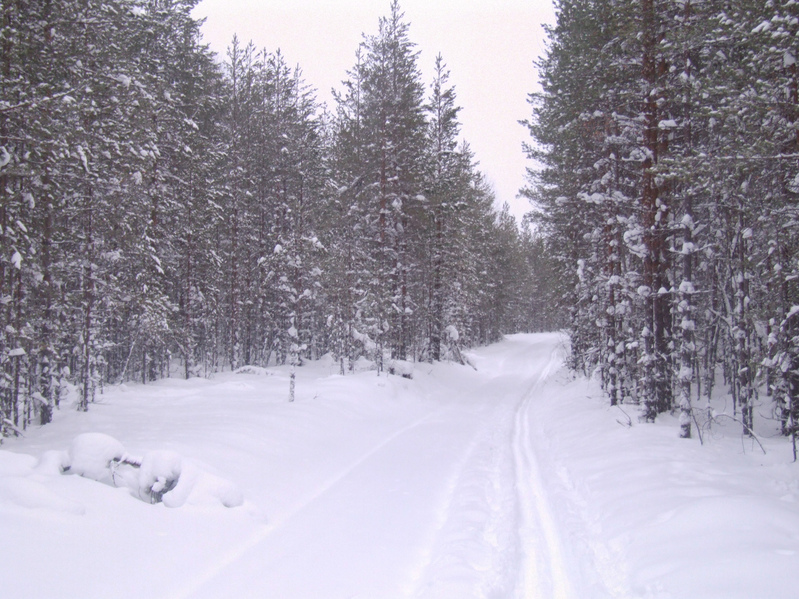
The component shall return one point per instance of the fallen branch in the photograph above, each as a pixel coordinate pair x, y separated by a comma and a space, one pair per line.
698, 428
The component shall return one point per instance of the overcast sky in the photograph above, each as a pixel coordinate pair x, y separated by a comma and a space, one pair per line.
489, 46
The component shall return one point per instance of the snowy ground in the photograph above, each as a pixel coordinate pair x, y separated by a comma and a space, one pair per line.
510, 481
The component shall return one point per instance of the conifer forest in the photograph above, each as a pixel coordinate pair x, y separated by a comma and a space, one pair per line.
163, 210
669, 137
168, 212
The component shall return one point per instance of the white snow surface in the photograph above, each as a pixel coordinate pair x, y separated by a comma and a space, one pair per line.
512, 481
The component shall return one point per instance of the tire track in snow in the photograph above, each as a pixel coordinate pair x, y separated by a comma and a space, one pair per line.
543, 571
263, 532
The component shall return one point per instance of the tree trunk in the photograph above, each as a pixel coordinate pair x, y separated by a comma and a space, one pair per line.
658, 395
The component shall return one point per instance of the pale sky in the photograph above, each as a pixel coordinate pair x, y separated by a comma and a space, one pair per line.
489, 46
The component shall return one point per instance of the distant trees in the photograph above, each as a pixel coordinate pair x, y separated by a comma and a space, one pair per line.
389, 167
410, 190
668, 180
162, 214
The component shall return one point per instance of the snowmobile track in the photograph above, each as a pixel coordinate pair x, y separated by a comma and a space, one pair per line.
543, 570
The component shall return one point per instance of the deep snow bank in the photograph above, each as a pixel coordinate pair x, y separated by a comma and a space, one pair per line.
654, 516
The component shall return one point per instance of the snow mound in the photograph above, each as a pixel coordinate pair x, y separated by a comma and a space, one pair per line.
401, 368
327, 361
91, 454
159, 473
15, 464
196, 487
53, 462
363, 364
159, 476
19, 487
27, 493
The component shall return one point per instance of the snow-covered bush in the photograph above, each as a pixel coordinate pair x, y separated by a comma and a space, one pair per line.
257, 370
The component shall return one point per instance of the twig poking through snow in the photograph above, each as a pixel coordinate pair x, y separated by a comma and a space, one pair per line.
629, 423
752, 434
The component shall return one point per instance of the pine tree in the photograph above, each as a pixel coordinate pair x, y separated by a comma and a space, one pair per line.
394, 124
446, 186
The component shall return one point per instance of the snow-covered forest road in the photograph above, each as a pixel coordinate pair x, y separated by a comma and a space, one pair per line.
514, 480
444, 503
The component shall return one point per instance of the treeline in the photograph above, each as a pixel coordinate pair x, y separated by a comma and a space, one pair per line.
669, 136
160, 212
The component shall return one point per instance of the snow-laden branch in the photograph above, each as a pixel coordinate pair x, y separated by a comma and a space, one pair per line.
33, 103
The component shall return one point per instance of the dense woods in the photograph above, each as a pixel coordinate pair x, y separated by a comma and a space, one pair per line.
668, 134
166, 212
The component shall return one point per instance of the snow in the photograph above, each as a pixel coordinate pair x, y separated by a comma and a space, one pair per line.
91, 454
158, 475
194, 487
123, 79
513, 480
82, 153
764, 26
452, 332
5, 156
401, 368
